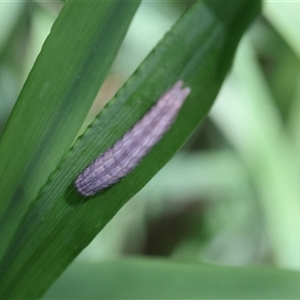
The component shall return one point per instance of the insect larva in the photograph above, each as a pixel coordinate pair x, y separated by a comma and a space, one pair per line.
127, 152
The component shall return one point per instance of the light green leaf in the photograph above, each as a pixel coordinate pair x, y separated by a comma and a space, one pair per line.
159, 279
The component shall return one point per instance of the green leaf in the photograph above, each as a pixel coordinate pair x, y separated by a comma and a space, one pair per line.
159, 279
55, 100
9, 16
284, 17
199, 50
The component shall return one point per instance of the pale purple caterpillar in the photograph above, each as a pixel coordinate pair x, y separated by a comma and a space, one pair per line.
126, 153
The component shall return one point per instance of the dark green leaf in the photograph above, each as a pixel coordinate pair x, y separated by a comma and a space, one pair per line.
55, 100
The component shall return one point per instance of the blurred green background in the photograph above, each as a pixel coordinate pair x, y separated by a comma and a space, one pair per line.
231, 196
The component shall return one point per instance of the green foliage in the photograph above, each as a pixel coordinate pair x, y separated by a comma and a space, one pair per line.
238, 204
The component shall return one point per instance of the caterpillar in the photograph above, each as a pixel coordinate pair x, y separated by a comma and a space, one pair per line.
119, 160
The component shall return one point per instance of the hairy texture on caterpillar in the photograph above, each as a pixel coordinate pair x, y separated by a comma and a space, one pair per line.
127, 152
